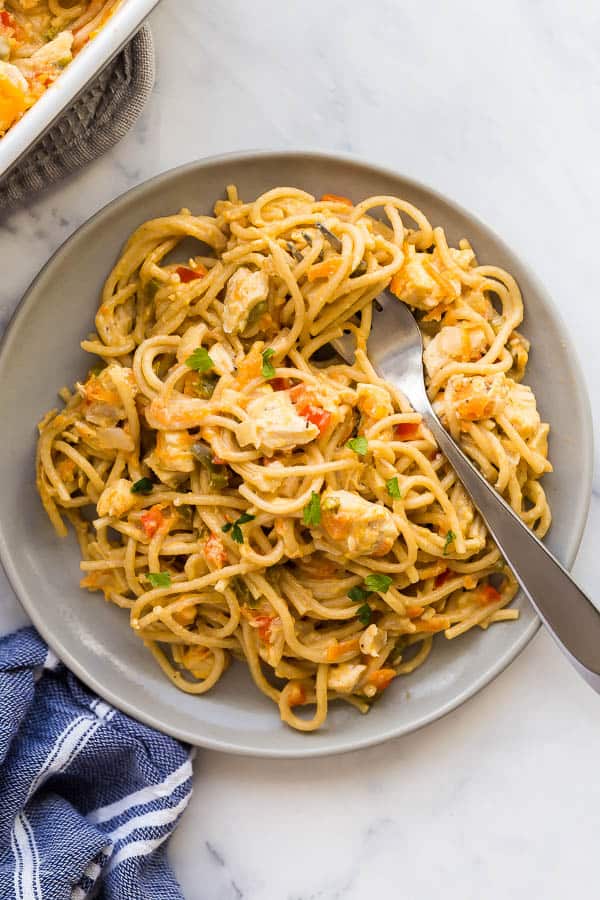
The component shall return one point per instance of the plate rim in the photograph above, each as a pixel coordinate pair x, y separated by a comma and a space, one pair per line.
500, 664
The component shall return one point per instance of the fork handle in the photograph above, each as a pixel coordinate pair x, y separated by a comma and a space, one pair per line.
567, 612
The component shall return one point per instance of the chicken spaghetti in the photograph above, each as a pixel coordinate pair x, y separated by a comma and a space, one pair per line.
38, 39
245, 492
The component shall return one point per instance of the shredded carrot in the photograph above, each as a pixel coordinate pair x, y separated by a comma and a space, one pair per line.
66, 469
336, 198
279, 527
186, 615
436, 313
438, 276
381, 678
325, 269
465, 342
96, 392
296, 694
338, 650
91, 581
436, 623
193, 659
413, 612
319, 567
397, 284
249, 368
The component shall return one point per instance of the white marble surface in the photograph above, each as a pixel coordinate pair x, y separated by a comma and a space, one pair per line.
495, 104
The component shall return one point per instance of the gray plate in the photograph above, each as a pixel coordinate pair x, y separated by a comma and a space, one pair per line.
41, 352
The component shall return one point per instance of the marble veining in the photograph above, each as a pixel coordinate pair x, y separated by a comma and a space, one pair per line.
495, 105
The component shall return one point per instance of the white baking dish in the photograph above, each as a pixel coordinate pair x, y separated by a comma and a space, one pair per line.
92, 59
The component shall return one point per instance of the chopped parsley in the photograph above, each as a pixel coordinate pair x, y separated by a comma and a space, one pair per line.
364, 614
311, 514
268, 369
360, 445
450, 537
245, 517
200, 361
357, 594
159, 579
234, 527
143, 486
379, 583
393, 488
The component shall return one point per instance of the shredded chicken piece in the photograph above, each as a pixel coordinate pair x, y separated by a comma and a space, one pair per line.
478, 396
357, 526
420, 283
57, 50
374, 401
116, 499
521, 409
222, 359
102, 402
345, 677
274, 424
244, 290
454, 342
373, 640
172, 452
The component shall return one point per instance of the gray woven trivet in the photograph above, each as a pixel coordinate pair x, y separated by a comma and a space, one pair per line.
97, 120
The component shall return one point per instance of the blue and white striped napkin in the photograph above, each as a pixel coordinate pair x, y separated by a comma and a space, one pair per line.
88, 796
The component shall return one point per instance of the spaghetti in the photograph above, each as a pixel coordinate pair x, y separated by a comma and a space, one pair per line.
38, 39
244, 492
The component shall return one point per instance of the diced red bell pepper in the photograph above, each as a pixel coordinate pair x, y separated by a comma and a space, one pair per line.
407, 431
186, 274
152, 519
317, 416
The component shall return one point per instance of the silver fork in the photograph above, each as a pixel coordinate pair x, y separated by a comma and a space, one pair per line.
395, 348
